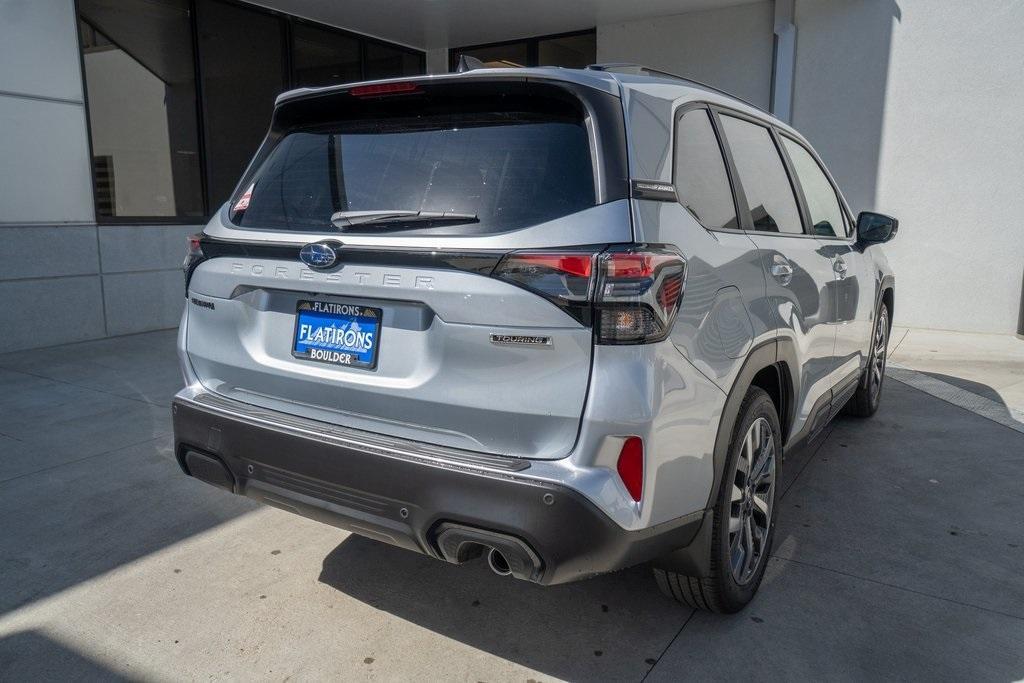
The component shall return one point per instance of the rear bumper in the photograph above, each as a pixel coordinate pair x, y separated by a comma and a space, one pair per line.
441, 502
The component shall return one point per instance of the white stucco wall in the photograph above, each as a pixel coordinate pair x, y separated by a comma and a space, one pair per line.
730, 48
917, 107
44, 153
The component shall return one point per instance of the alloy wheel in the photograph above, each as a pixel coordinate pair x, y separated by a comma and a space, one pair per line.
753, 496
881, 342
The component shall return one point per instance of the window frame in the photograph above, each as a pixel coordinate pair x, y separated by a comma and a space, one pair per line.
748, 221
286, 21
848, 227
532, 46
735, 191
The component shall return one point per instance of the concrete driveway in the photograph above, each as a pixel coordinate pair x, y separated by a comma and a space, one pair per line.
900, 555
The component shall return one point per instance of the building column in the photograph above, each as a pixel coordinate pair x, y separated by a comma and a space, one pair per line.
784, 60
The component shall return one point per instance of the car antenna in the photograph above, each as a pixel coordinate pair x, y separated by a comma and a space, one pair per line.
468, 63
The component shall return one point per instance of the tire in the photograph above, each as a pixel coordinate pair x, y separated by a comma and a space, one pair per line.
865, 401
741, 517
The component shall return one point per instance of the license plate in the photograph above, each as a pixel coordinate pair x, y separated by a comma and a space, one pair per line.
339, 334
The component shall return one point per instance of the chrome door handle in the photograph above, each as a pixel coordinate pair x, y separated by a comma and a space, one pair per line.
781, 270
839, 266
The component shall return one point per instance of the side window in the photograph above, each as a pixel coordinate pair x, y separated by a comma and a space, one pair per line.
822, 202
763, 176
700, 177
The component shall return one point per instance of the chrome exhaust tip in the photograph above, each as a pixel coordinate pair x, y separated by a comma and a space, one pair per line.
497, 562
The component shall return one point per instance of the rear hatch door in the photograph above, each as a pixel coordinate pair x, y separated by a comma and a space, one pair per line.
417, 264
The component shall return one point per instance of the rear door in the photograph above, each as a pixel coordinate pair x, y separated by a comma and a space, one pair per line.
463, 222
799, 270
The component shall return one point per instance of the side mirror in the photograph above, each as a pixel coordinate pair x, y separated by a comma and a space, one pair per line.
875, 228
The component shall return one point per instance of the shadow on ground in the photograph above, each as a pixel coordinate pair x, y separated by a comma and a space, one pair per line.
34, 656
610, 627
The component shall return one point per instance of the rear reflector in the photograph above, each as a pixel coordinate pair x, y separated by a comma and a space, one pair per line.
631, 466
381, 89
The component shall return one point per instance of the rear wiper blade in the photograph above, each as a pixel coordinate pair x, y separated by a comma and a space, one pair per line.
357, 219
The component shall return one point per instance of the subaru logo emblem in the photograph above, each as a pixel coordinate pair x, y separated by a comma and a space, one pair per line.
318, 255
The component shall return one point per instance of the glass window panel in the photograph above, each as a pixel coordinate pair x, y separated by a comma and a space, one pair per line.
571, 52
241, 57
508, 168
765, 181
822, 202
387, 61
700, 176
323, 57
140, 83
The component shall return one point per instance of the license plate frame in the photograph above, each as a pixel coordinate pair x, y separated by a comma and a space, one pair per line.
315, 313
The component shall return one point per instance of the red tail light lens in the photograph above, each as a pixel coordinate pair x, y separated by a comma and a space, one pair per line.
631, 467
638, 294
563, 277
193, 257
634, 291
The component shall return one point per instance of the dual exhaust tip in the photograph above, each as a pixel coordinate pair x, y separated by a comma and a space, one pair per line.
506, 555
497, 562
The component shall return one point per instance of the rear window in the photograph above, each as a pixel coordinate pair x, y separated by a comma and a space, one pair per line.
502, 163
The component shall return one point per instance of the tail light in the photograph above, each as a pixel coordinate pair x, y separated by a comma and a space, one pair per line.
631, 466
193, 257
631, 294
638, 294
562, 277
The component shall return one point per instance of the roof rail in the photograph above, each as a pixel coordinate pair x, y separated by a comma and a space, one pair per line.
641, 70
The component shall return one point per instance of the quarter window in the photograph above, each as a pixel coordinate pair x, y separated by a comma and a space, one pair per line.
822, 202
700, 176
766, 185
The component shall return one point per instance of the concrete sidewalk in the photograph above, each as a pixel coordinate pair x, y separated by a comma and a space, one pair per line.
900, 555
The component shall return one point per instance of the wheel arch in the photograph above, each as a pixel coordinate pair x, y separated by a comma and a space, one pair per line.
772, 366
887, 296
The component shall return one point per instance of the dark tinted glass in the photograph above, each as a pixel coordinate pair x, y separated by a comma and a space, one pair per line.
323, 57
765, 182
571, 52
242, 71
822, 202
386, 61
140, 81
700, 176
508, 168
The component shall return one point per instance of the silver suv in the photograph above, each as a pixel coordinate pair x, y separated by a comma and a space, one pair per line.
569, 320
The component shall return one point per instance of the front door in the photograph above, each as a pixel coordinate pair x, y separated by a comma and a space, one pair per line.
852, 291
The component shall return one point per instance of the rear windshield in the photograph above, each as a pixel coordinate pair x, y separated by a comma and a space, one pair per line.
501, 164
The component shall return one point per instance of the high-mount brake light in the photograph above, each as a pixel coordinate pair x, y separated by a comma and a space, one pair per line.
383, 89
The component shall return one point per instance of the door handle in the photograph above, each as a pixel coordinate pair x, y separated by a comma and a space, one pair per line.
839, 266
781, 270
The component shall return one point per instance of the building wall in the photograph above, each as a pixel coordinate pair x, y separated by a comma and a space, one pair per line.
916, 108
62, 277
730, 48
